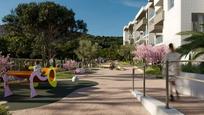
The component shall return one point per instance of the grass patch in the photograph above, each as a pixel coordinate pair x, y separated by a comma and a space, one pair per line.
64, 75
153, 70
46, 94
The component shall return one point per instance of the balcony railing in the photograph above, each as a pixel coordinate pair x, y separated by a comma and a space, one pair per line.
159, 17
158, 2
140, 26
156, 24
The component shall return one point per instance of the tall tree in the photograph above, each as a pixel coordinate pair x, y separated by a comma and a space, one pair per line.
87, 51
43, 26
125, 52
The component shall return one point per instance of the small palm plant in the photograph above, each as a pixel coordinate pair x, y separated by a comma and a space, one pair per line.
194, 48
194, 44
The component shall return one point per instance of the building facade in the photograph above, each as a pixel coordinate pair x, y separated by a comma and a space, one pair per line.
160, 21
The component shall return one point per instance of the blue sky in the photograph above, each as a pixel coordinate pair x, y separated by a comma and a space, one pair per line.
103, 17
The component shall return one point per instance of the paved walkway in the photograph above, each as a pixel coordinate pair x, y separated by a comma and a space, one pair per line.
186, 104
110, 97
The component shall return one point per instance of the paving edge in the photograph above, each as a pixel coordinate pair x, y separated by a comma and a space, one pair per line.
154, 106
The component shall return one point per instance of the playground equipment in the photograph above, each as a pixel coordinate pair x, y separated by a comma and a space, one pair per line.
49, 75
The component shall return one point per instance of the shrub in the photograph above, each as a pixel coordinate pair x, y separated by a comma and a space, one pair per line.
4, 110
70, 65
150, 54
193, 68
4, 63
153, 70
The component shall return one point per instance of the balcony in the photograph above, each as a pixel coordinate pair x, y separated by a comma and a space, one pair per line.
140, 26
159, 17
158, 2
140, 41
155, 28
156, 24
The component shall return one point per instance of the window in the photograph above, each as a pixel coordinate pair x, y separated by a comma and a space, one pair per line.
197, 22
159, 39
170, 4
151, 13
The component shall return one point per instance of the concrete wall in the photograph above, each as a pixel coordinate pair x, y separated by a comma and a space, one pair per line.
125, 36
179, 19
189, 87
187, 8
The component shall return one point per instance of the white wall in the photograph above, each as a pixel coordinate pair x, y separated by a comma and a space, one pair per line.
179, 19
188, 7
172, 23
189, 87
151, 38
125, 36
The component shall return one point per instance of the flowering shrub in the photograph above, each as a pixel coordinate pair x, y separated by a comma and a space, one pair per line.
4, 63
80, 71
70, 65
150, 54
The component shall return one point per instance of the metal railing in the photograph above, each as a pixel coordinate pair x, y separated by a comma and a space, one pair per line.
166, 78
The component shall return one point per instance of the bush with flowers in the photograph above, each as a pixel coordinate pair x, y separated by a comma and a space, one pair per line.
4, 63
70, 65
150, 54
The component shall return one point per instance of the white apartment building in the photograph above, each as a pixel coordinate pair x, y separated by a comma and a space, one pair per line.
160, 21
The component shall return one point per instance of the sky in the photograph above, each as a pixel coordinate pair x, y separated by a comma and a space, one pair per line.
103, 17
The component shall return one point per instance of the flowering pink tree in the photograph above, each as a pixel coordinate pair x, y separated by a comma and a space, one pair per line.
70, 65
143, 52
158, 53
4, 63
150, 54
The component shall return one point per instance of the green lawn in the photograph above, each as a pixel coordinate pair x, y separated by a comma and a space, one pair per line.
64, 75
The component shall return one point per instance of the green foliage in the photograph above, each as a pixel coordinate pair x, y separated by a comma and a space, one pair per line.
4, 110
87, 50
153, 70
3, 45
194, 43
106, 41
37, 29
125, 52
109, 46
138, 63
193, 68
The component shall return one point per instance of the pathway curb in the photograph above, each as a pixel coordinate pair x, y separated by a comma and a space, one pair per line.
154, 106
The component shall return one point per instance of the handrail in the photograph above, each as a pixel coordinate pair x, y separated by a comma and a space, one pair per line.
190, 78
188, 61
166, 63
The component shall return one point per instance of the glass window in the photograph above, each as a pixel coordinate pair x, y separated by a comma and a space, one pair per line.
198, 22
170, 4
159, 39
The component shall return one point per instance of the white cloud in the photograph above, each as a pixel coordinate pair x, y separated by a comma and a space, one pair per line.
134, 3
131, 3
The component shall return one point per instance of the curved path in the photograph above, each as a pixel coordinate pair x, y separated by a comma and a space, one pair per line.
110, 97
